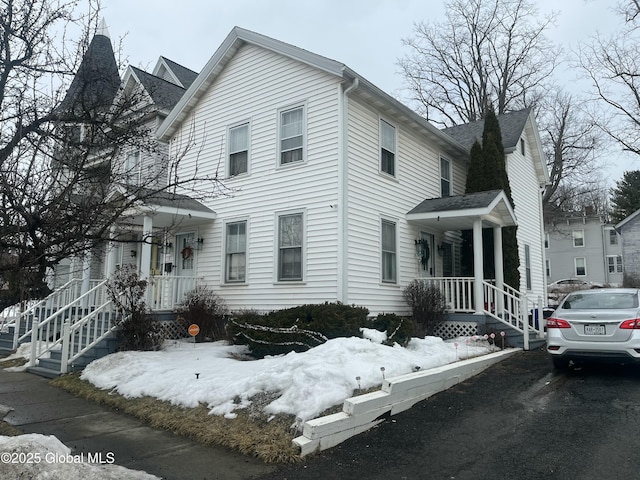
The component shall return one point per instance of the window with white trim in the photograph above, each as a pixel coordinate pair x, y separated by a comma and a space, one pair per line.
614, 263
292, 135
578, 238
133, 167
445, 177
238, 149
290, 237
547, 264
613, 237
387, 148
581, 267
236, 252
388, 243
546, 240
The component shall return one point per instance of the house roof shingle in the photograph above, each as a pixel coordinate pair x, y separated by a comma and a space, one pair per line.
511, 125
164, 94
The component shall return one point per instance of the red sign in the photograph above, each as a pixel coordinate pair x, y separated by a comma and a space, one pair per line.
194, 329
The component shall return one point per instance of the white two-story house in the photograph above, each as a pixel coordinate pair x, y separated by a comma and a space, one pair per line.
337, 192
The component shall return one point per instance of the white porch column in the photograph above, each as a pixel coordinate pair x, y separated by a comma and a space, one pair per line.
112, 259
145, 254
499, 267
86, 272
478, 267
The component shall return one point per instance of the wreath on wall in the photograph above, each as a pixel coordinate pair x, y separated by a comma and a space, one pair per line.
187, 252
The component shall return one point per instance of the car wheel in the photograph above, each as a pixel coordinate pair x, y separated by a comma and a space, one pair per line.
560, 363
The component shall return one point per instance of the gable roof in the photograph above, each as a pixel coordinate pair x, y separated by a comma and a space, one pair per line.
174, 72
460, 211
239, 37
165, 95
631, 218
511, 126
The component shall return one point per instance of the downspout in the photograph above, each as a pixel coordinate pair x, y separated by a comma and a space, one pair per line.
343, 195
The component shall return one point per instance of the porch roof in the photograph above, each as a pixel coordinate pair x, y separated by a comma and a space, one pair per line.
461, 211
170, 210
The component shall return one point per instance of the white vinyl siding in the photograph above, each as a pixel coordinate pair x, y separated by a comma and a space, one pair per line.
257, 85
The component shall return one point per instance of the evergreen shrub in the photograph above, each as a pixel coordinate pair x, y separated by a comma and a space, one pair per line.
296, 329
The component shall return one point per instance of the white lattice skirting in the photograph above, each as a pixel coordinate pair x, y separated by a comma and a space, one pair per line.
456, 329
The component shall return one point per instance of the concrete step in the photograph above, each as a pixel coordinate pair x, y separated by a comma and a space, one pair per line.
44, 372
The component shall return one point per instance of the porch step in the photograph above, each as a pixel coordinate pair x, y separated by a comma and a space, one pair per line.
50, 367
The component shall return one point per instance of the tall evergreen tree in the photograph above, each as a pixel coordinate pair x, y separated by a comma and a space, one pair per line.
625, 197
487, 171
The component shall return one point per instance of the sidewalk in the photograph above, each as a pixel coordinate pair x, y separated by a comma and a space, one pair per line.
86, 427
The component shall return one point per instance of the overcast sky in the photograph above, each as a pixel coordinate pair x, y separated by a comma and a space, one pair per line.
366, 35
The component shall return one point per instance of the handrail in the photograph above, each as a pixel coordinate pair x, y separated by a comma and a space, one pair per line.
74, 345
47, 334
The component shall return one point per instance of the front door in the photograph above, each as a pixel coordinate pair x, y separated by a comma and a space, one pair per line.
185, 254
425, 254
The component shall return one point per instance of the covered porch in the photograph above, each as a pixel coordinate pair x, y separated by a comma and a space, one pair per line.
476, 295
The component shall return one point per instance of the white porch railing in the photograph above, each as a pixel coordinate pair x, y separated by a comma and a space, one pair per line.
47, 335
507, 305
167, 291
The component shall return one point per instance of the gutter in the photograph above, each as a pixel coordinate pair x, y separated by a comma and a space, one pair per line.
343, 194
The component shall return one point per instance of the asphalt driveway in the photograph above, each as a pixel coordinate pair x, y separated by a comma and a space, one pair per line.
517, 420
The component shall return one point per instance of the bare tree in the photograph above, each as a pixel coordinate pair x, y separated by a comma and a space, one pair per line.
571, 141
63, 178
612, 65
487, 52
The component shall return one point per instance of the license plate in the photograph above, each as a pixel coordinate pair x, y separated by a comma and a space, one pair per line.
594, 330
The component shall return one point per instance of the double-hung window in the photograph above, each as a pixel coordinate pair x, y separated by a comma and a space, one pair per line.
387, 148
236, 252
238, 149
445, 177
578, 238
614, 264
581, 267
292, 135
613, 237
389, 269
290, 235
133, 167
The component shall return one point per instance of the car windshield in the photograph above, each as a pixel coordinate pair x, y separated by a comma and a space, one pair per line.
581, 301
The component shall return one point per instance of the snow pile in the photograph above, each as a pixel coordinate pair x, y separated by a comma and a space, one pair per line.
43, 457
305, 383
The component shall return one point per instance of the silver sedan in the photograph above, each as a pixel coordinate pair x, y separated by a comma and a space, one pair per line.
595, 325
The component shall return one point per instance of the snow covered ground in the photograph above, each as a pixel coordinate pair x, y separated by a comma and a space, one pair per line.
221, 376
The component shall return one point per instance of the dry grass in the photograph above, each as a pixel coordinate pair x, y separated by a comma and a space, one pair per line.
9, 430
251, 433
15, 362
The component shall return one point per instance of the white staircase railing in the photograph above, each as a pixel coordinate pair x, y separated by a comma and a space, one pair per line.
507, 305
164, 292
47, 335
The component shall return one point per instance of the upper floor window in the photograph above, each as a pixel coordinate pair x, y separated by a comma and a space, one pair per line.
578, 238
613, 237
290, 235
133, 167
546, 240
291, 135
522, 146
387, 148
445, 177
389, 251
236, 252
238, 149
